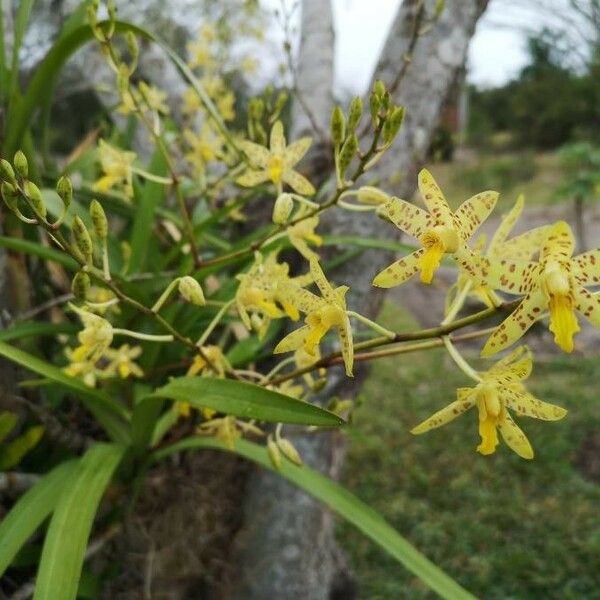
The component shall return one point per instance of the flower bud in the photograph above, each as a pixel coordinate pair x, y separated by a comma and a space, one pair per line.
132, 47
392, 124
123, 79
191, 291
274, 453
82, 238
354, 113
289, 451
99, 219
81, 285
338, 126
379, 88
64, 188
368, 194
32, 192
283, 208
6, 171
9, 195
347, 152
21, 165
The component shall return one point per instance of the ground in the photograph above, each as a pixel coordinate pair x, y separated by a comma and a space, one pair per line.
502, 526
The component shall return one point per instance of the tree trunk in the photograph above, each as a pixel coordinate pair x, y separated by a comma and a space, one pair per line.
286, 548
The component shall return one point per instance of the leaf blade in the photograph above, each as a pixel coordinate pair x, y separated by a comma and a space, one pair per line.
64, 547
245, 400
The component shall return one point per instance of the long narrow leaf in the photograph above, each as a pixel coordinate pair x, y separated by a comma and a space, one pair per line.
31, 510
35, 328
109, 413
347, 506
245, 400
64, 547
35, 249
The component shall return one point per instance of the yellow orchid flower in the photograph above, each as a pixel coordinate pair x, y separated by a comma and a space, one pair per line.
303, 232
116, 165
267, 290
83, 369
521, 247
276, 163
440, 231
322, 314
555, 284
95, 338
122, 361
500, 389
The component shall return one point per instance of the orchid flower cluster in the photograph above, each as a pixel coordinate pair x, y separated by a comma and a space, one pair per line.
238, 297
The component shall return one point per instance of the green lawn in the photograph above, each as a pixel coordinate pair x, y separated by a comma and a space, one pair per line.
502, 526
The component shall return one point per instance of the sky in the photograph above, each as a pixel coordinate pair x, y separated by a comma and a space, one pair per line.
496, 53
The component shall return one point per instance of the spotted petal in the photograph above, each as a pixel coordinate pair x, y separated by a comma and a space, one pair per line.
292, 341
516, 324
298, 182
524, 246
345, 332
434, 200
445, 415
473, 212
515, 439
252, 178
406, 216
586, 267
277, 140
295, 151
588, 305
559, 243
319, 278
258, 155
524, 403
511, 276
399, 271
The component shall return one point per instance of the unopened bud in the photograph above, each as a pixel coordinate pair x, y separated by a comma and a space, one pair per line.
99, 219
347, 152
338, 126
289, 451
282, 98
6, 171
368, 194
274, 453
82, 239
80, 285
64, 188
9, 195
354, 113
34, 195
191, 291
132, 46
21, 166
374, 104
379, 88
283, 208
123, 79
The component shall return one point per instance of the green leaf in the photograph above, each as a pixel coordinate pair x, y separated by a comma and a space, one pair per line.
20, 26
8, 421
35, 329
364, 242
151, 196
64, 548
109, 413
12, 454
245, 400
36, 249
30, 511
347, 506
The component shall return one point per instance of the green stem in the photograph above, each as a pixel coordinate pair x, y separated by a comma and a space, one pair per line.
211, 326
462, 364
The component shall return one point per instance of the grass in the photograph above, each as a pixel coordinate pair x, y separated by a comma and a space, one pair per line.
502, 526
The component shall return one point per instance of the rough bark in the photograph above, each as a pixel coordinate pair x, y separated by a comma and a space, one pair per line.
287, 546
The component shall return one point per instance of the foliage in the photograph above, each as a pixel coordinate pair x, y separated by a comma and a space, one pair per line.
158, 250
547, 105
